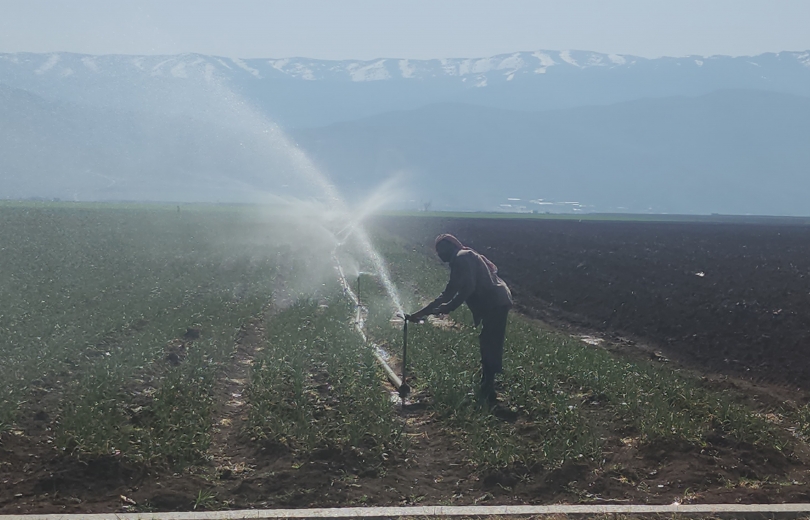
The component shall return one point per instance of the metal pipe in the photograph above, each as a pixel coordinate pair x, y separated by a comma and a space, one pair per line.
555, 511
392, 376
404, 389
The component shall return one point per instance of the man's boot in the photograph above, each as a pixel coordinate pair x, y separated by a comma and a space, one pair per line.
487, 395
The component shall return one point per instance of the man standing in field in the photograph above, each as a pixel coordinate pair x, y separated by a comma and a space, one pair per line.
474, 279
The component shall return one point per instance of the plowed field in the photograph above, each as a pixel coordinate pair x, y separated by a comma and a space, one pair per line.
721, 297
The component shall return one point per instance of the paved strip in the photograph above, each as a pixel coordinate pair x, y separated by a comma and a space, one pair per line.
436, 511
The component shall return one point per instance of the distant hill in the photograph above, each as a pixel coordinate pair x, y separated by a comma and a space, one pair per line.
53, 149
301, 92
735, 151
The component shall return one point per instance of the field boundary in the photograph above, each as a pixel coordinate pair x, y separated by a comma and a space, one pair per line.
437, 511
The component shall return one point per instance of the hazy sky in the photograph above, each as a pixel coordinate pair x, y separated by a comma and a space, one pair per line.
366, 29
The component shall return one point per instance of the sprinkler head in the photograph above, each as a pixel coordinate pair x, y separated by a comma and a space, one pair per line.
404, 390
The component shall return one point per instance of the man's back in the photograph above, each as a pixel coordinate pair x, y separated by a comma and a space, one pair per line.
473, 276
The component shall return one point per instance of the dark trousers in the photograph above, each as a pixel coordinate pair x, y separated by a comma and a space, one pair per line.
493, 333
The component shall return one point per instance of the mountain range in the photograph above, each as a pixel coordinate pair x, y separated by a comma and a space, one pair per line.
542, 131
731, 151
299, 92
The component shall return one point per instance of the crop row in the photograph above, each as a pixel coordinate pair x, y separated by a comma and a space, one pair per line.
115, 321
317, 386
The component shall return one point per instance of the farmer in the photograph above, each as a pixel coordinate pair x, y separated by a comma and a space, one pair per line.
474, 279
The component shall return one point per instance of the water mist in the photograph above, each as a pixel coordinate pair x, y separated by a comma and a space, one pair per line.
317, 197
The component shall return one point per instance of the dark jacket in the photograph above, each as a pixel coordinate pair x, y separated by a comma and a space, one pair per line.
471, 281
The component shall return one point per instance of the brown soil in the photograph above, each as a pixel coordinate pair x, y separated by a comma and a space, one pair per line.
633, 287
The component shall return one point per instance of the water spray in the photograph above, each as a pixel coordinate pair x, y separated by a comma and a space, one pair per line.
239, 113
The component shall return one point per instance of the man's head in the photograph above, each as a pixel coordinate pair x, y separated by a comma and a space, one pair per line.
447, 246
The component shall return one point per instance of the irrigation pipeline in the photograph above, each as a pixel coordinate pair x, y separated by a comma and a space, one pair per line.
361, 313
676, 510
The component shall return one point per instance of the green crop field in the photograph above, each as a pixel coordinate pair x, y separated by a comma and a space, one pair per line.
119, 326
89, 298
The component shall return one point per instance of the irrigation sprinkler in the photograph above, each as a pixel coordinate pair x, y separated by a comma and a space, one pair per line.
358, 289
404, 389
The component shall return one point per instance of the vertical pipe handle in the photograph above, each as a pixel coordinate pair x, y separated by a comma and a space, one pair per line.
404, 351
404, 389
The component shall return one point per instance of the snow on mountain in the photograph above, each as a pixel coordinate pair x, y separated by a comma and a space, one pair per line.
48, 65
406, 69
244, 66
503, 65
372, 72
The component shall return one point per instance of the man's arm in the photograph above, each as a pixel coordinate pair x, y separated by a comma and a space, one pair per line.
465, 286
459, 288
446, 295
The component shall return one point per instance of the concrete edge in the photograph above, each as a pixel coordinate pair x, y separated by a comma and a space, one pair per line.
435, 511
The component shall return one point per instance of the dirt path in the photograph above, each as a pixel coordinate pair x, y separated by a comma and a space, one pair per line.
227, 437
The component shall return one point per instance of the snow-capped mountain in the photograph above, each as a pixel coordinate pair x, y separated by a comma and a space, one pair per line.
300, 92
479, 72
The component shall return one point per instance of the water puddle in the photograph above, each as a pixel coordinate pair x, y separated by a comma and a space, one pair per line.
591, 340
